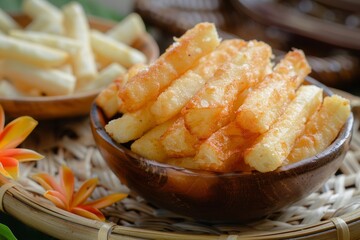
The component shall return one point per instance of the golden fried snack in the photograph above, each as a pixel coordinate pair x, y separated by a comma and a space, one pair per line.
149, 145
223, 151
31, 53
105, 77
52, 82
108, 98
321, 129
179, 92
178, 58
132, 25
134, 70
177, 141
172, 99
46, 24
77, 27
213, 106
221, 109
45, 16
271, 148
267, 101
66, 44
131, 126
115, 51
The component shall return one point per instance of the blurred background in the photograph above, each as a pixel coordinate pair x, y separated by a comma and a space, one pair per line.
327, 30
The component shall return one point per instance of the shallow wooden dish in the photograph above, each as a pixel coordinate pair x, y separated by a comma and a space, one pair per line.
215, 197
77, 104
297, 22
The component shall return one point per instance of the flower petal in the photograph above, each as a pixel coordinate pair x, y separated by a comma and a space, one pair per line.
11, 166
57, 198
21, 154
107, 201
46, 181
84, 192
2, 118
4, 172
89, 212
16, 131
67, 183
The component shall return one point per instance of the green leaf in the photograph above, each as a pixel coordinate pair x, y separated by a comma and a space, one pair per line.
5, 233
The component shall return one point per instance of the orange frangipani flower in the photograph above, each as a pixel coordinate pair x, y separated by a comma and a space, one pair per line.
64, 196
11, 136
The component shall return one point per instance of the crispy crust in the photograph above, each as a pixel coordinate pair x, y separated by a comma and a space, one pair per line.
268, 100
220, 93
179, 57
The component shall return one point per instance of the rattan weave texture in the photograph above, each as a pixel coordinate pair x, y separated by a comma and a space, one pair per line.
333, 210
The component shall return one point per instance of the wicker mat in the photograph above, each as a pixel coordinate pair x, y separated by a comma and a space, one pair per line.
71, 142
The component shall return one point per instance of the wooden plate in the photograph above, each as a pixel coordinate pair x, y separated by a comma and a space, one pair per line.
284, 17
78, 104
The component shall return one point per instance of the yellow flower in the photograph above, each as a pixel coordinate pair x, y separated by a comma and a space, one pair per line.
64, 196
11, 136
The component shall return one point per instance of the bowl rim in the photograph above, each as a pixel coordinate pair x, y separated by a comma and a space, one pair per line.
299, 167
74, 96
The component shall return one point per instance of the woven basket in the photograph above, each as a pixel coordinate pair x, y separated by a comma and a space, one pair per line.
333, 212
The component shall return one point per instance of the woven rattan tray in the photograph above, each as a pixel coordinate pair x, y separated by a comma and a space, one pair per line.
333, 212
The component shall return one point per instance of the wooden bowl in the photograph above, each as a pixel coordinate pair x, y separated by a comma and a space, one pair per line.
77, 104
220, 197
